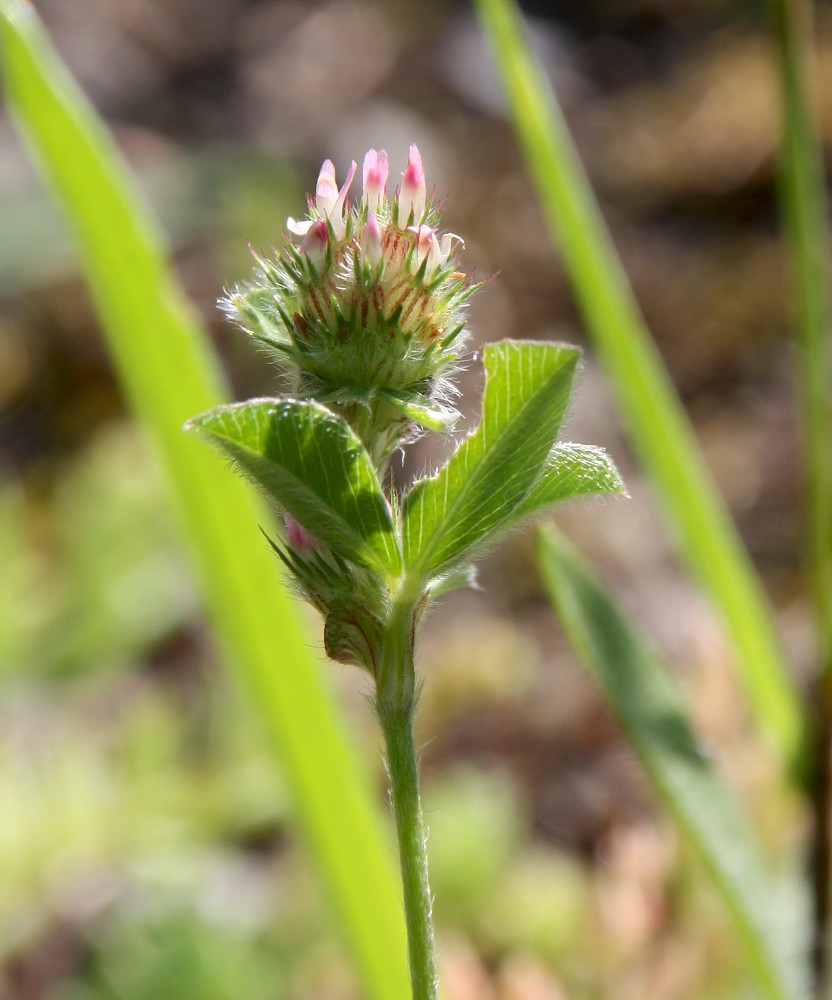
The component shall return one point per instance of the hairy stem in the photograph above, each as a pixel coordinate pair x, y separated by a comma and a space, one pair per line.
403, 768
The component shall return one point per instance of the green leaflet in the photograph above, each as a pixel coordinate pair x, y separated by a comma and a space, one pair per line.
527, 391
316, 468
435, 416
650, 710
572, 470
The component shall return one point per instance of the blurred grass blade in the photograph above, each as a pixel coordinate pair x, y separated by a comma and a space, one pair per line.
805, 209
804, 202
651, 713
170, 374
648, 402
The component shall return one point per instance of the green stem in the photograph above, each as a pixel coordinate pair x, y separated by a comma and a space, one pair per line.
396, 706
407, 809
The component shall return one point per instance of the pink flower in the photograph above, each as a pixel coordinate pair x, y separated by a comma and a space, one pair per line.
371, 239
316, 241
329, 201
428, 246
413, 192
375, 177
326, 190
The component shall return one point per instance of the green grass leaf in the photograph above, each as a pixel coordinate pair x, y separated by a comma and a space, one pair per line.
315, 466
169, 373
648, 402
650, 710
526, 395
804, 204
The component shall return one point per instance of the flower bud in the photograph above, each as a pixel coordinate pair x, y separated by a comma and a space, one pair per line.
298, 538
371, 239
413, 192
326, 190
367, 313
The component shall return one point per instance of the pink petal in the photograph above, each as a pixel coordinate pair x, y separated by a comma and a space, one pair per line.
326, 190
299, 228
426, 245
315, 242
338, 207
376, 169
371, 238
299, 538
447, 247
413, 192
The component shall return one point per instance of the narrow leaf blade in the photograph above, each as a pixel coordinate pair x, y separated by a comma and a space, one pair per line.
527, 390
649, 404
315, 466
651, 713
169, 373
806, 212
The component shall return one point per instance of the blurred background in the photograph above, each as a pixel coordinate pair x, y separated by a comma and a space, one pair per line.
146, 847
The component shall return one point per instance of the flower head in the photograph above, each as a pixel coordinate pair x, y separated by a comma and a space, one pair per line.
365, 303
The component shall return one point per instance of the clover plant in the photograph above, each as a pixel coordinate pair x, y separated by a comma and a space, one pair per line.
364, 306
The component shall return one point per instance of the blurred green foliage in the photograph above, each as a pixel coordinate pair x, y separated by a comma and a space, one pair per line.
93, 579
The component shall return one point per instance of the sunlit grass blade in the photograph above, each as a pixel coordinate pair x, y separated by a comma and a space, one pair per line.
652, 715
648, 402
170, 374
